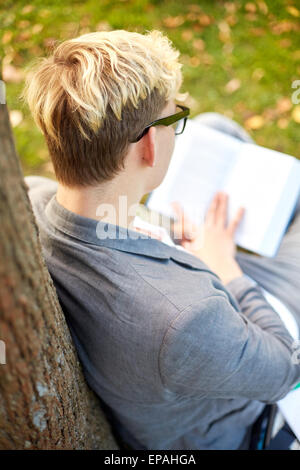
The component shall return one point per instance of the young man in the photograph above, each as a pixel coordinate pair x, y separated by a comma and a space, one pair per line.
182, 347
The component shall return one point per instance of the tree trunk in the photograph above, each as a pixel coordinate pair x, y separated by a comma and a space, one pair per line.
44, 400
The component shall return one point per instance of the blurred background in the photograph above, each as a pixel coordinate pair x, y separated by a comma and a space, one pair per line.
239, 58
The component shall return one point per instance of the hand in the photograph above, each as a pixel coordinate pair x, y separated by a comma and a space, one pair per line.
214, 242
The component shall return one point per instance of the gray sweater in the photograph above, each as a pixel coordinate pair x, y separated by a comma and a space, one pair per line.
183, 361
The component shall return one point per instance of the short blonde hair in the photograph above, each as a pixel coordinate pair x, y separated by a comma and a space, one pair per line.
95, 94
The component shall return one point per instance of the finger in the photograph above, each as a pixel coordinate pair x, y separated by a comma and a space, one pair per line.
232, 226
211, 212
184, 228
221, 211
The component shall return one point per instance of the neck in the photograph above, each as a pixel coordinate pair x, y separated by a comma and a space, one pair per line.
113, 202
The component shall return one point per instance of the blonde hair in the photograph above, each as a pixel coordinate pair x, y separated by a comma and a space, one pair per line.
95, 94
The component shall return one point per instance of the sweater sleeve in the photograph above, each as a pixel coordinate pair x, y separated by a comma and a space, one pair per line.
213, 350
255, 307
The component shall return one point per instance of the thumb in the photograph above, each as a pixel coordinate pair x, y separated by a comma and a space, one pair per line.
232, 226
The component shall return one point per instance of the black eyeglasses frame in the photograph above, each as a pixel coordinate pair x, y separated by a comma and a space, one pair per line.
167, 121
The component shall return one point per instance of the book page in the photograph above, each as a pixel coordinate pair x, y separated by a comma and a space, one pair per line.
290, 408
285, 314
202, 160
263, 181
256, 182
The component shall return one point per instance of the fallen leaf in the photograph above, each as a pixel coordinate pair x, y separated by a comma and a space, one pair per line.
254, 122
233, 85
44, 13
173, 21
204, 20
231, 20
283, 105
282, 123
11, 74
251, 16
27, 9
283, 27
16, 117
258, 74
24, 36
263, 7
199, 44
251, 7
296, 114
230, 7
7, 37
293, 11
224, 31
224, 27
187, 35
195, 61
37, 28
23, 24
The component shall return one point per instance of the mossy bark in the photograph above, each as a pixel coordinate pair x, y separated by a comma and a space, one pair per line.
45, 402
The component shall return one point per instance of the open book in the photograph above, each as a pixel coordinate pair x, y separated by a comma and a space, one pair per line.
290, 409
265, 182
289, 406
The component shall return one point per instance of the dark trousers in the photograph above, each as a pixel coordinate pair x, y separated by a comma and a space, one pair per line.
262, 429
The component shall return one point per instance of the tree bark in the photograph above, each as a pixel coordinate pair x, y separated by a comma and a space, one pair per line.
45, 402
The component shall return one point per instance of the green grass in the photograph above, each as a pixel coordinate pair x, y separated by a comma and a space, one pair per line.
259, 46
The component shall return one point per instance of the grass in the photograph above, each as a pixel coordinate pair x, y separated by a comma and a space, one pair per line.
239, 58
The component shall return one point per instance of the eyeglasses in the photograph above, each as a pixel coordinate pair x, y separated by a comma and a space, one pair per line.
177, 121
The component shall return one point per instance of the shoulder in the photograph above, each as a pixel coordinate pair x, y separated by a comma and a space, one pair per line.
200, 338
183, 280
40, 188
40, 191
211, 320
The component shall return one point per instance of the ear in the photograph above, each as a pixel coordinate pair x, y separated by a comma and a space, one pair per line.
149, 151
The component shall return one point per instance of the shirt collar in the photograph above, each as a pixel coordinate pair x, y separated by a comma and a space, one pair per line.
112, 236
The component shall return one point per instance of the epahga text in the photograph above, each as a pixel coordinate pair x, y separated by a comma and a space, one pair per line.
154, 459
